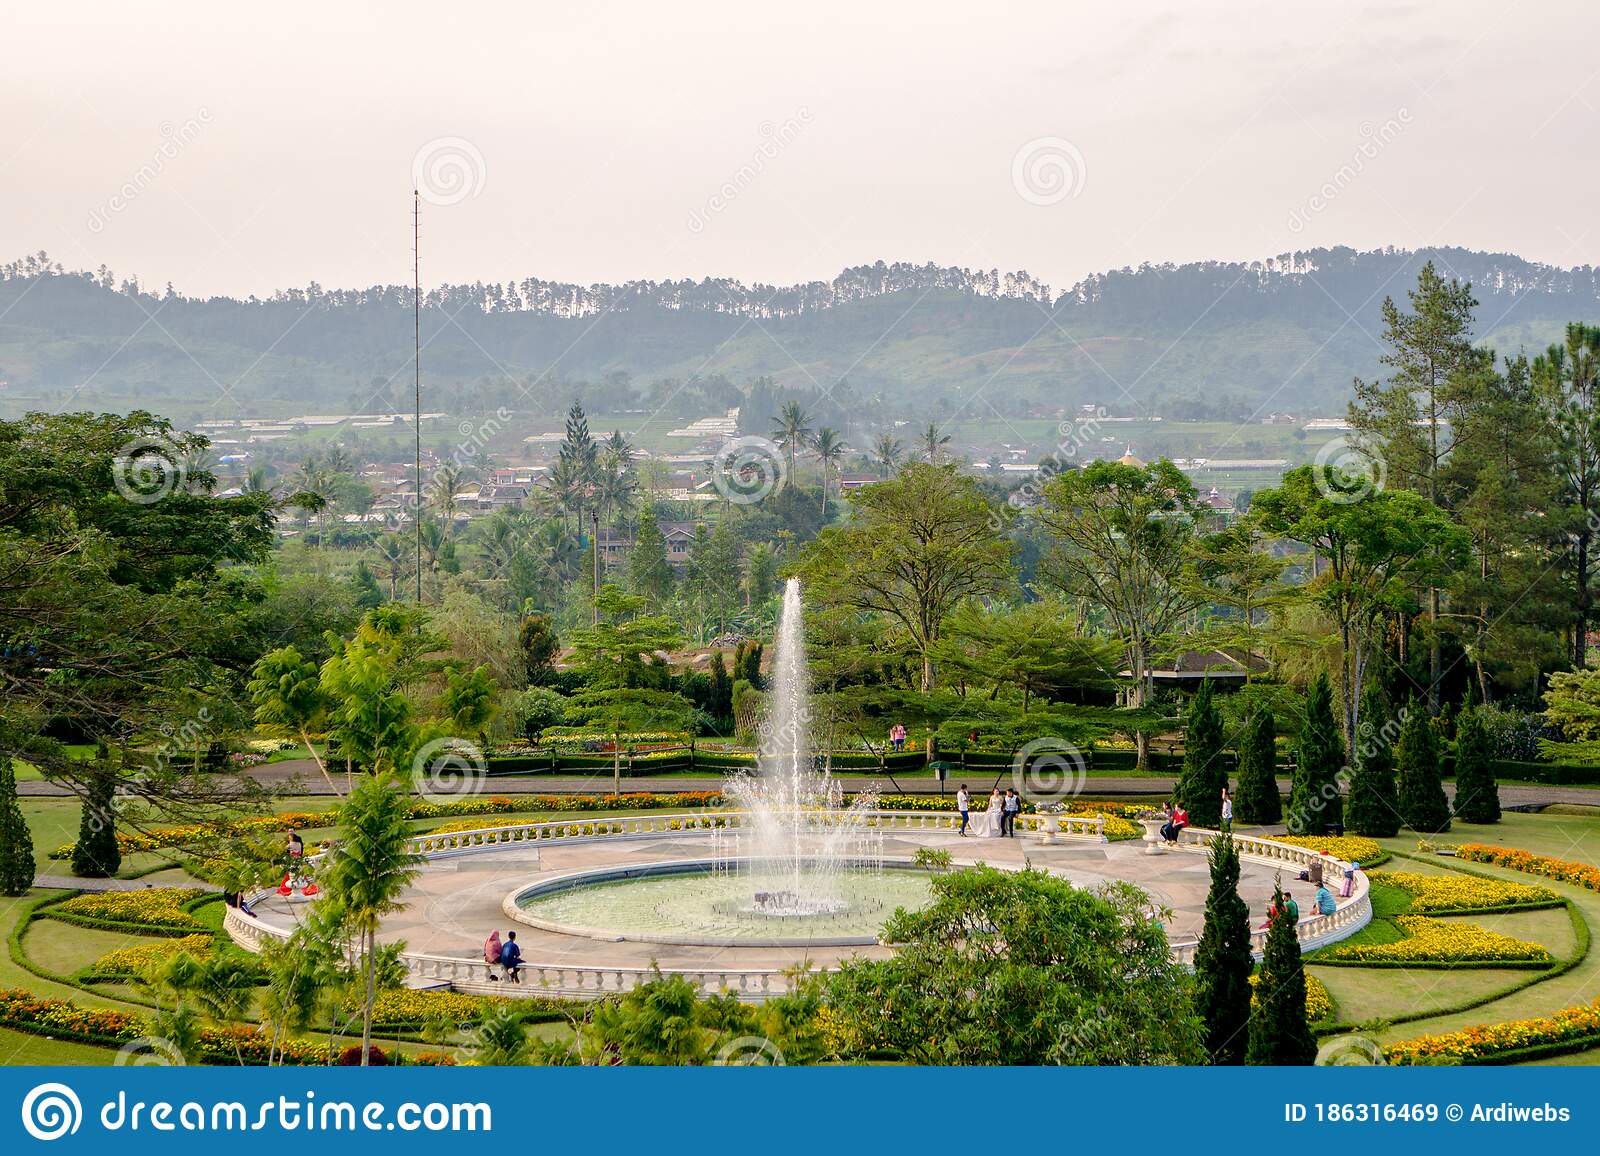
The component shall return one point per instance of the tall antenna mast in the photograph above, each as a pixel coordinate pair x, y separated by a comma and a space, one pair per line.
416, 368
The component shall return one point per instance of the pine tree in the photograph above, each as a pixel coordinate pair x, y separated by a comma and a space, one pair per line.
96, 855
1204, 773
1279, 1033
16, 844
751, 669
649, 573
1423, 806
721, 703
1314, 802
1257, 799
1374, 807
1222, 963
1477, 793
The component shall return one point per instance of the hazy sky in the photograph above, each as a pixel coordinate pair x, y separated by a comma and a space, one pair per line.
238, 149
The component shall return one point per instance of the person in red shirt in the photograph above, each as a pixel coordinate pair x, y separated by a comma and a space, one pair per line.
1176, 823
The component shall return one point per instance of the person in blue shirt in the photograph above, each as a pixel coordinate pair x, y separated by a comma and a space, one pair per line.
511, 958
1325, 901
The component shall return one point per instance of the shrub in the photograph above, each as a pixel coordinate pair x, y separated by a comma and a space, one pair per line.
1432, 894
1374, 807
351, 1057
135, 961
1562, 870
1431, 940
16, 844
1350, 848
1477, 793
1423, 806
1204, 774
1319, 1004
1257, 799
96, 855
1314, 804
158, 907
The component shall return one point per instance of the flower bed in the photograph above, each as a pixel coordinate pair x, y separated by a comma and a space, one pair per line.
1432, 894
1437, 941
1116, 815
126, 962
1350, 848
1491, 1043
1319, 1004
159, 909
1561, 870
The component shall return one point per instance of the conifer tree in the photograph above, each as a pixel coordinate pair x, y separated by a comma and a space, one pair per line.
1314, 804
16, 844
649, 573
1279, 1034
721, 702
1222, 963
96, 855
1257, 799
1374, 807
1204, 773
1423, 806
1477, 793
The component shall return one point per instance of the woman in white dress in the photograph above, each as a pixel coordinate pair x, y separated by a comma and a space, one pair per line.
987, 825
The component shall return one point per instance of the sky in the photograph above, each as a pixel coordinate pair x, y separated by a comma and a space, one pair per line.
235, 149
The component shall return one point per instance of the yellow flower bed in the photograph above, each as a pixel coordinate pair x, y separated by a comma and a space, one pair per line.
137, 960
1436, 893
1485, 1041
154, 906
1431, 940
1350, 848
1319, 1004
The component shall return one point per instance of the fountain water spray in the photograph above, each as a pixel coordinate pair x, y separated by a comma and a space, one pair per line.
800, 840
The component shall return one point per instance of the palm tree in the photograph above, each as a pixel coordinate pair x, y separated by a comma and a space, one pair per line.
447, 487
933, 443
310, 502
613, 491
368, 872
887, 452
392, 563
565, 485
255, 482
791, 430
829, 448
337, 460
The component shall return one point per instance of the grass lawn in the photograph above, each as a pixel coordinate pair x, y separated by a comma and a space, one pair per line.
19, 1048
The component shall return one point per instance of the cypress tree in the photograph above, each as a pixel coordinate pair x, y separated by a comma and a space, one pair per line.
96, 855
721, 703
1477, 793
1257, 799
1374, 807
16, 844
1204, 773
1422, 803
1314, 802
1279, 1034
1222, 963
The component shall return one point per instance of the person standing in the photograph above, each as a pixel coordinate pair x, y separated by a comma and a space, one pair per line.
964, 805
1227, 810
1008, 813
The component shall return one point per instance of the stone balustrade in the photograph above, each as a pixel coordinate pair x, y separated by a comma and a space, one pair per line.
472, 975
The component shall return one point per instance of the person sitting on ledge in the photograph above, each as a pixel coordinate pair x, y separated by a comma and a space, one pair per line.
511, 957
1175, 824
1325, 901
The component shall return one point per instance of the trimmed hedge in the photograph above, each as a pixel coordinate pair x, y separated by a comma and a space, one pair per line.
1551, 774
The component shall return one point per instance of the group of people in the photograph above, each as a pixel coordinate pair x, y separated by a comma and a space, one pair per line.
505, 955
999, 820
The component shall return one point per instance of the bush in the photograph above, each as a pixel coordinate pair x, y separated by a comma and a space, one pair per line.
1487, 1043
1562, 870
16, 843
1477, 793
155, 907
351, 1057
1514, 735
1423, 806
1432, 894
1429, 940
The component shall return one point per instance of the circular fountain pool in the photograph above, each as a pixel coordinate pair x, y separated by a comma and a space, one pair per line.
721, 903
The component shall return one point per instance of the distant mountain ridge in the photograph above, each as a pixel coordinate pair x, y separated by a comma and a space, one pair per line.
1290, 332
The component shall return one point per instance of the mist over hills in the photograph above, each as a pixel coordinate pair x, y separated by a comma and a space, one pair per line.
1205, 340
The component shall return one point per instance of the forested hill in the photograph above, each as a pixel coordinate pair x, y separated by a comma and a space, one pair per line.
1212, 339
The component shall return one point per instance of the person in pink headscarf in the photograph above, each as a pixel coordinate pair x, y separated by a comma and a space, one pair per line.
491, 952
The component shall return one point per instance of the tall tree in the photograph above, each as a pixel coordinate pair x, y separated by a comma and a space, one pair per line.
1205, 774
830, 449
1279, 1033
649, 573
792, 431
1413, 419
1374, 807
933, 441
96, 854
16, 843
887, 452
1314, 804
1373, 550
1256, 799
1568, 380
1123, 537
1423, 805
1477, 792
916, 547
1222, 960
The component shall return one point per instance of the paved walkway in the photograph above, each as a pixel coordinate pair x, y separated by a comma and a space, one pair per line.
75, 883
